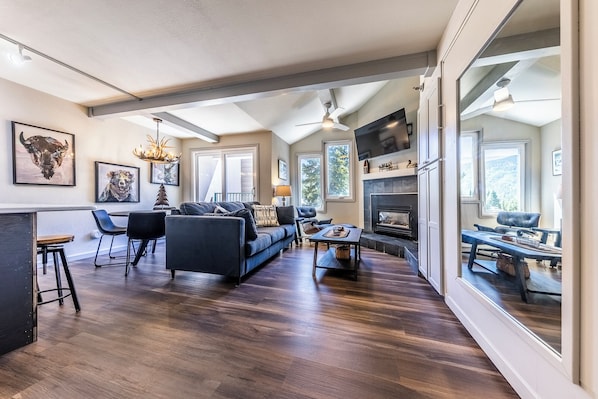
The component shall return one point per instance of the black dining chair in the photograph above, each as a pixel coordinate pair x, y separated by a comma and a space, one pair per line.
106, 228
145, 227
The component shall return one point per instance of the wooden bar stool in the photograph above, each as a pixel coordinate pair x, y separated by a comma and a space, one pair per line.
54, 245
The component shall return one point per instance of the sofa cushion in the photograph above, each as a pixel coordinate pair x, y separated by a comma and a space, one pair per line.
277, 233
290, 229
262, 242
265, 215
197, 208
285, 214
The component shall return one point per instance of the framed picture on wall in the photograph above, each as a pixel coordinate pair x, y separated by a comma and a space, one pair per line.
116, 183
283, 172
42, 156
164, 173
557, 163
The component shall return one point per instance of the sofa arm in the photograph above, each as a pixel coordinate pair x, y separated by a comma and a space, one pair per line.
209, 244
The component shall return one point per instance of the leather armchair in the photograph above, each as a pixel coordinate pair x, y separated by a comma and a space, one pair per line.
517, 222
307, 222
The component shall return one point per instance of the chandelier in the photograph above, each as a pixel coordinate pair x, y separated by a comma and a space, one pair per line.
156, 152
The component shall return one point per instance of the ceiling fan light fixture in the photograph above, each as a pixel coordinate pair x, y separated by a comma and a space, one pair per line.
504, 104
327, 123
156, 152
503, 100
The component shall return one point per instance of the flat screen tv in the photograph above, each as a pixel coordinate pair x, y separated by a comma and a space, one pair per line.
383, 136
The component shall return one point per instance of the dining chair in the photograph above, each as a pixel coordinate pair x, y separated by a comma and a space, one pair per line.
145, 227
106, 228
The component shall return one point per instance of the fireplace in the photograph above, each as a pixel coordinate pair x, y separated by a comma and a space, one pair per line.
394, 214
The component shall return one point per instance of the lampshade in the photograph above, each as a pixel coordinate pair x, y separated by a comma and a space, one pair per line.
282, 191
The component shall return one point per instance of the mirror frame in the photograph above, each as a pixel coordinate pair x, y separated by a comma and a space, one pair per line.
569, 359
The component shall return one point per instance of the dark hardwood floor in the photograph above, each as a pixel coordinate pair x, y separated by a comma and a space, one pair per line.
279, 335
542, 314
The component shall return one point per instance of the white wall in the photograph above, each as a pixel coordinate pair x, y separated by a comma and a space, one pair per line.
551, 206
107, 140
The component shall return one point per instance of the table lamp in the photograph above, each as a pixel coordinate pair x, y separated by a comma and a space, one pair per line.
282, 191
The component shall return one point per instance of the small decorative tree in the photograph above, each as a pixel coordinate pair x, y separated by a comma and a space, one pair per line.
162, 198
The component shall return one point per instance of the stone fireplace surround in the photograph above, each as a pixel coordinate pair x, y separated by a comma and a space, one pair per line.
398, 246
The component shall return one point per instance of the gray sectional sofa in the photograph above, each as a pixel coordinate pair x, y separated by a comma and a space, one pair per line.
223, 238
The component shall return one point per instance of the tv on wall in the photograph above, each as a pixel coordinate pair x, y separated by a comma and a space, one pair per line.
383, 136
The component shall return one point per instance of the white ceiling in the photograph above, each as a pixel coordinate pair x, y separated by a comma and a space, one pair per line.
229, 67
224, 66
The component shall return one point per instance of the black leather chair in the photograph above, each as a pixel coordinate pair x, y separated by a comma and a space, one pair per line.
106, 228
520, 223
307, 223
514, 222
146, 227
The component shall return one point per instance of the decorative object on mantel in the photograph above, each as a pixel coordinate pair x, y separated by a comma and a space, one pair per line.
366, 166
162, 198
156, 152
411, 164
388, 166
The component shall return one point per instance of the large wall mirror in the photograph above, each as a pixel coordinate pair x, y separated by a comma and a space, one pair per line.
510, 170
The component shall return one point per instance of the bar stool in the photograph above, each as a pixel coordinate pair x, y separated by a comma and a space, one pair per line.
54, 245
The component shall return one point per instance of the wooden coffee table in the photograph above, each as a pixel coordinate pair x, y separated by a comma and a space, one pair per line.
350, 237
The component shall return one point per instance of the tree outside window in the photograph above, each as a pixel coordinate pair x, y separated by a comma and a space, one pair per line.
310, 180
339, 171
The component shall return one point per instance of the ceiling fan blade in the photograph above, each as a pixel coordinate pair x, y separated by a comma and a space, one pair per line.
337, 112
340, 126
310, 123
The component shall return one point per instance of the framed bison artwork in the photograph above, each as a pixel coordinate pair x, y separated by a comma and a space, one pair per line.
164, 173
42, 156
116, 183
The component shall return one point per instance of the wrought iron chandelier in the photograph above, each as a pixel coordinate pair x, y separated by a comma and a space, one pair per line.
157, 152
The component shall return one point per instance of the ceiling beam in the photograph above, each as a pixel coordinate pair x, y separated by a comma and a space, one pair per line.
366, 72
188, 126
530, 45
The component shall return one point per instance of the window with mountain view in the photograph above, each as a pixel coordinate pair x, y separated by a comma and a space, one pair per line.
503, 177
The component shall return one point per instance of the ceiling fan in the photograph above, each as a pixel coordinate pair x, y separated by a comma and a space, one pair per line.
330, 119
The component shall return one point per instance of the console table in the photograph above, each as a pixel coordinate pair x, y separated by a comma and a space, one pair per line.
18, 299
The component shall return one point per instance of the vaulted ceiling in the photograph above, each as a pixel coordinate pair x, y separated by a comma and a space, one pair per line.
220, 67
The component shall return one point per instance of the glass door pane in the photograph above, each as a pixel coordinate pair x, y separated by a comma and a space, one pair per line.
209, 176
239, 182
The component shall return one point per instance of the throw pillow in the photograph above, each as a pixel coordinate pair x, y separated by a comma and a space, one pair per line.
285, 214
265, 215
250, 227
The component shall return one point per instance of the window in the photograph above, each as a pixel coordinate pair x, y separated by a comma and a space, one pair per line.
503, 177
339, 170
310, 180
225, 175
468, 151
